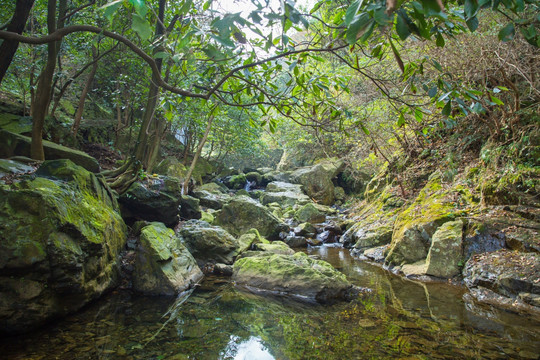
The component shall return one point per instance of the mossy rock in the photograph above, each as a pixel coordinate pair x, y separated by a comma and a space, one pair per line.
13, 167
13, 144
415, 226
317, 180
170, 166
236, 182
213, 188
211, 200
189, 207
243, 213
292, 275
310, 213
274, 247
163, 264
209, 243
254, 176
61, 239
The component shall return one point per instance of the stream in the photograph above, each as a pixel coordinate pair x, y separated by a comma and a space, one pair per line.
398, 319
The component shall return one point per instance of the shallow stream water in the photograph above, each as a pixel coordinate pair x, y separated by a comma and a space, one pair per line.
398, 319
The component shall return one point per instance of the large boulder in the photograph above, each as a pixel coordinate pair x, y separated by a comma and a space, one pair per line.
8, 167
212, 200
163, 265
285, 194
209, 243
60, 238
170, 166
14, 144
157, 200
243, 213
507, 273
317, 180
189, 207
292, 275
415, 226
444, 255
310, 213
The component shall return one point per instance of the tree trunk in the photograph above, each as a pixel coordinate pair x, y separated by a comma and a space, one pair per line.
16, 25
185, 186
80, 108
43, 91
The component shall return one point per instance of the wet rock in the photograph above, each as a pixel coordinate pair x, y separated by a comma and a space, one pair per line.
61, 239
243, 213
293, 275
223, 269
415, 226
13, 144
170, 166
271, 176
254, 177
13, 167
189, 207
481, 239
152, 203
296, 241
285, 194
376, 254
317, 180
306, 230
508, 273
444, 254
208, 243
211, 200
373, 237
235, 182
163, 265
275, 247
213, 188
310, 213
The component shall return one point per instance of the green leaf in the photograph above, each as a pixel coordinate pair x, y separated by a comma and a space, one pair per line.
140, 7
507, 33
401, 120
447, 108
351, 11
418, 115
401, 27
472, 23
206, 5
439, 40
432, 92
110, 9
496, 100
354, 29
437, 65
381, 17
187, 6
364, 129
317, 6
471, 8
141, 27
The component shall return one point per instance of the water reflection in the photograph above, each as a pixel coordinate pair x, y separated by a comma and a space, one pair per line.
250, 349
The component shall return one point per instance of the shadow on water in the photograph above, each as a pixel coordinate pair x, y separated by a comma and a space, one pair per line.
399, 319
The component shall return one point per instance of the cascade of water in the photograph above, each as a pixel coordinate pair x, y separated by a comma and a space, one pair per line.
248, 185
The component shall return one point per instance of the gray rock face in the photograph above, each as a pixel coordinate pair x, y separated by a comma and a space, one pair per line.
60, 241
296, 241
310, 213
285, 194
163, 265
292, 275
14, 144
208, 243
243, 213
507, 273
445, 252
317, 180
140, 202
189, 207
212, 200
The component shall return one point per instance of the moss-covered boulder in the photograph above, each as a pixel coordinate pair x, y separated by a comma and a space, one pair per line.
254, 176
317, 180
60, 241
415, 226
285, 194
306, 230
284, 176
152, 202
13, 167
274, 247
213, 188
189, 207
208, 243
210, 199
507, 273
163, 265
235, 182
243, 213
444, 255
170, 166
14, 144
310, 213
292, 275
